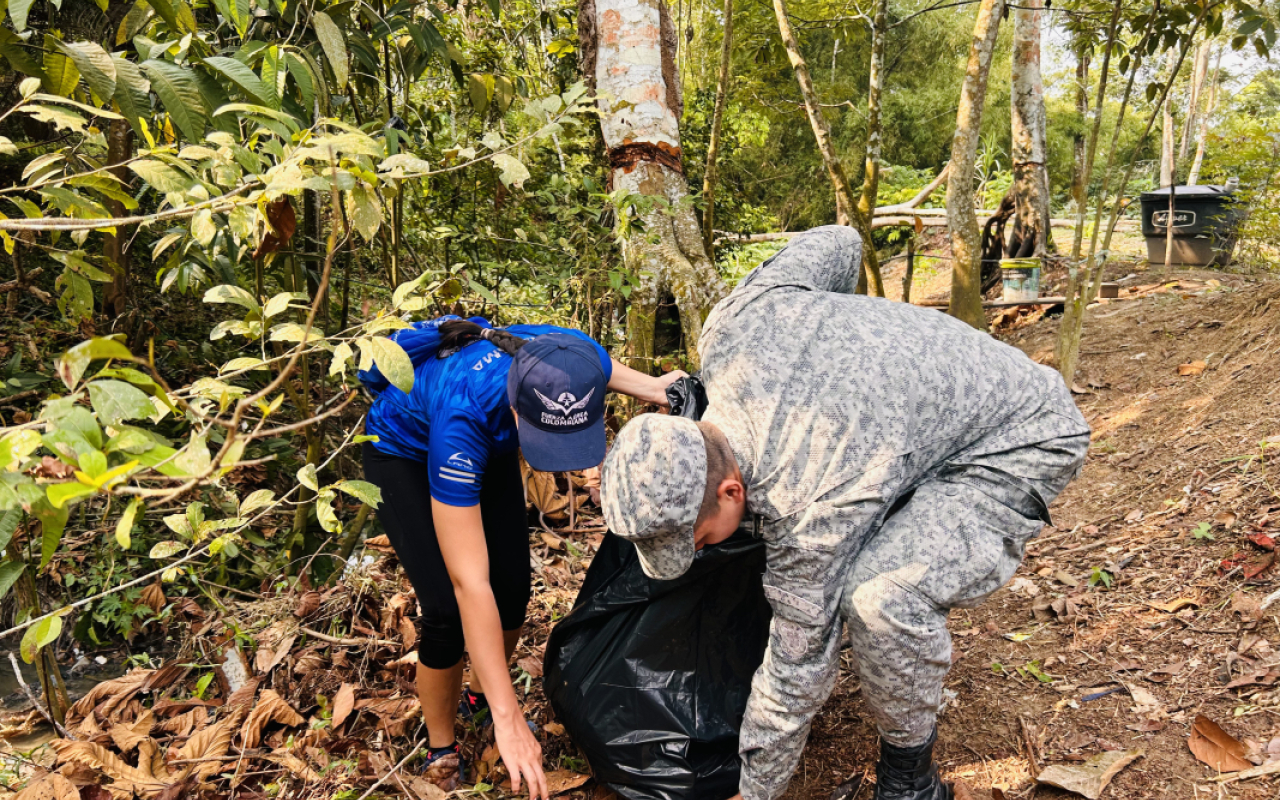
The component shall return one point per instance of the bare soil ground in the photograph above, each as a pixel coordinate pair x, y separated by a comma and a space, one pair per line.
1180, 476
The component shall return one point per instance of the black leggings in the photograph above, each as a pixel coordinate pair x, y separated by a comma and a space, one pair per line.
406, 515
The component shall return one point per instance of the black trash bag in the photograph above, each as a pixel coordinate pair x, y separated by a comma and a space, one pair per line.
651, 678
687, 397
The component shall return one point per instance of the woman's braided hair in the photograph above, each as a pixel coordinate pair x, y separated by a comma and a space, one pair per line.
457, 334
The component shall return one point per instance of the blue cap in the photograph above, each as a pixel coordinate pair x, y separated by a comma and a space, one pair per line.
557, 387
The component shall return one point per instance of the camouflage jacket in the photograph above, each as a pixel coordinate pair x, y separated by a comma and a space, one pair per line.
836, 404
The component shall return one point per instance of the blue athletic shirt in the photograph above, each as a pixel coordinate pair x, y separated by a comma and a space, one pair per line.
457, 413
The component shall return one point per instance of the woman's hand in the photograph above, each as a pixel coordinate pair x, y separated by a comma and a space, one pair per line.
521, 753
663, 381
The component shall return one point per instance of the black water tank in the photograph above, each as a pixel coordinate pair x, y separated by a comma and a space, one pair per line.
1205, 220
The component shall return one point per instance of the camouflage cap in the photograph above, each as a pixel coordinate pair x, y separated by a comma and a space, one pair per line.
651, 488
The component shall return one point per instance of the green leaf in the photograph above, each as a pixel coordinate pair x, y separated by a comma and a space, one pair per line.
116, 401
60, 73
256, 500
167, 549
325, 515
18, 11
244, 78
132, 92
13, 48
124, 528
180, 95
40, 635
393, 362
8, 526
303, 78
363, 491
73, 362
307, 477
15, 447
58, 117
227, 293
480, 88
95, 65
60, 493
514, 173
280, 303
334, 45
10, 571
161, 176
53, 521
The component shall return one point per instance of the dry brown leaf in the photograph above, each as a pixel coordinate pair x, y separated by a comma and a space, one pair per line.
1247, 606
128, 736
271, 707
408, 633
212, 743
554, 728
1211, 745
379, 543
343, 703
444, 773
183, 724
423, 790
125, 777
151, 761
1192, 369
562, 780
308, 661
531, 665
153, 596
1174, 605
267, 660
552, 541
243, 697
1091, 777
108, 695
308, 604
1225, 518
164, 677
49, 787
294, 765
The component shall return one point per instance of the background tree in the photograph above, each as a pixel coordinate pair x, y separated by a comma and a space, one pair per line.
628, 54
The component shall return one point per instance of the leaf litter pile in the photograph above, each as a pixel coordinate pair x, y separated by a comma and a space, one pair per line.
1134, 655
310, 693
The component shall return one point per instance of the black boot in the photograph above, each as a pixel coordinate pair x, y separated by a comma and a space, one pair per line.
908, 773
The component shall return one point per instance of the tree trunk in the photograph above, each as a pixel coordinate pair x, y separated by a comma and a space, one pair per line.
1167, 139
1198, 75
1071, 329
713, 147
1067, 346
628, 56
1079, 187
847, 212
1031, 177
1193, 176
115, 295
966, 247
875, 87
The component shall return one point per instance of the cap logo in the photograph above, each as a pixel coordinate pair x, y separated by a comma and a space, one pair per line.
567, 405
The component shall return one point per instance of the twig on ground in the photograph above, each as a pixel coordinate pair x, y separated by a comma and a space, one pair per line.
348, 642
17, 672
412, 752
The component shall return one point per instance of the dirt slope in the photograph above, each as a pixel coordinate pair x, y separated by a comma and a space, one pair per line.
1173, 455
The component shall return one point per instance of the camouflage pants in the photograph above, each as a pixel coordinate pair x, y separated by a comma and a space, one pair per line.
952, 542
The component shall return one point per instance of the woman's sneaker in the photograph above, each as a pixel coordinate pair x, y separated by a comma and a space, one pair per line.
474, 708
445, 767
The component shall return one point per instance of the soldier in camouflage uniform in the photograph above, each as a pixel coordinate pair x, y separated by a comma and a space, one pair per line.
896, 462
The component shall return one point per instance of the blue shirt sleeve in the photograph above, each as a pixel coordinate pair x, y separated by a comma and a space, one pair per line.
459, 451
606, 362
